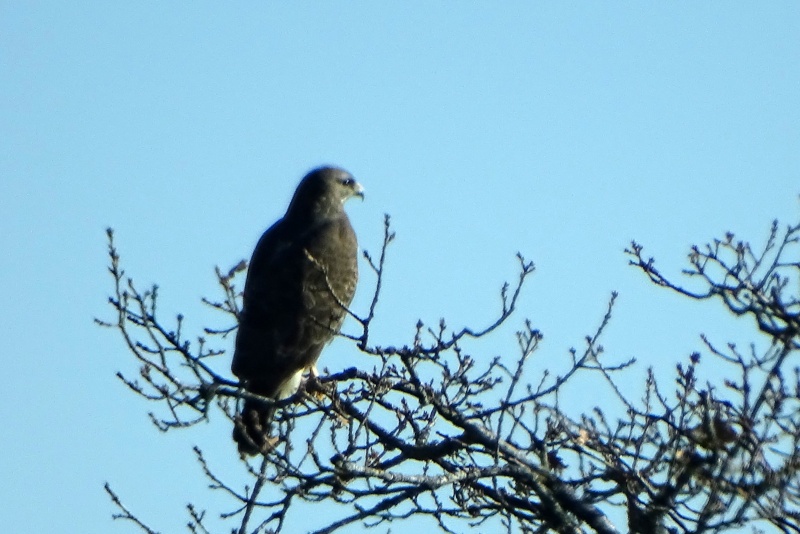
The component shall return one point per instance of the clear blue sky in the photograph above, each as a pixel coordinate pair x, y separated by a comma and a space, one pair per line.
562, 130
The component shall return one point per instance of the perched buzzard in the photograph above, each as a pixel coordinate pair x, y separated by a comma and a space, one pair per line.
302, 274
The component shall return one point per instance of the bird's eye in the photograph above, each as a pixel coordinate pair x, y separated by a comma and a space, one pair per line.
348, 182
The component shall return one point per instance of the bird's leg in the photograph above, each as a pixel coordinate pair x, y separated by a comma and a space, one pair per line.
315, 388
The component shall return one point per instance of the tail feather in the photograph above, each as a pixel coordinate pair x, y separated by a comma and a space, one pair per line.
251, 428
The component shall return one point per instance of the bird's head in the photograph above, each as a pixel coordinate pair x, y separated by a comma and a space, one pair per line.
324, 190
338, 183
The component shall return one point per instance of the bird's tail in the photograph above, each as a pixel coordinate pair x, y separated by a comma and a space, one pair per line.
251, 427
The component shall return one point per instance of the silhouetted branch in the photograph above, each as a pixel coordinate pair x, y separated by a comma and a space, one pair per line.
437, 429
126, 514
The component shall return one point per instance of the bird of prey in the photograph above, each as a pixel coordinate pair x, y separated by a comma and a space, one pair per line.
301, 279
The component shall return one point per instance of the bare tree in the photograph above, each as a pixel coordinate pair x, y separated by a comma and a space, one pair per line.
432, 431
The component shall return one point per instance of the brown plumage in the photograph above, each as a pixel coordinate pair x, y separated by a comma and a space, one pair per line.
302, 274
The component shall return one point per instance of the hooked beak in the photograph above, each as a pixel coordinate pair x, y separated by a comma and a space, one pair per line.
359, 191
